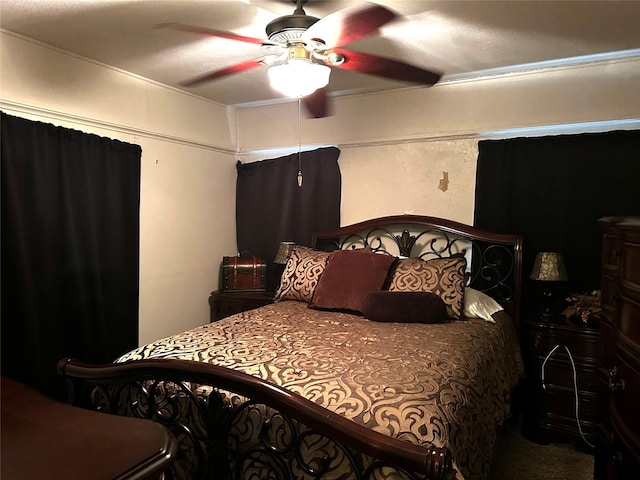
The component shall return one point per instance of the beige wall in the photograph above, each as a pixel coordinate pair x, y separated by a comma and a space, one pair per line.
395, 146
409, 178
187, 214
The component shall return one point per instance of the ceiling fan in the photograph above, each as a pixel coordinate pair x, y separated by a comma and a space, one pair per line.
301, 49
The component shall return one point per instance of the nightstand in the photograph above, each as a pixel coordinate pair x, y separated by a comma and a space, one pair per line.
224, 304
551, 411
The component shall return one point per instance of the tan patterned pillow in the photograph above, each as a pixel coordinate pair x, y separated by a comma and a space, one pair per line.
301, 274
443, 276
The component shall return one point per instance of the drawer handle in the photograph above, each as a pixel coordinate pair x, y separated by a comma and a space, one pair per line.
536, 340
615, 383
617, 458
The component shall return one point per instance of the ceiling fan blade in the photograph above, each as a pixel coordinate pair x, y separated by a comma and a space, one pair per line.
212, 32
348, 25
386, 67
317, 103
237, 68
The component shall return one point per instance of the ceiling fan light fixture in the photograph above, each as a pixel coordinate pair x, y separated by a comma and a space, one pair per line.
298, 77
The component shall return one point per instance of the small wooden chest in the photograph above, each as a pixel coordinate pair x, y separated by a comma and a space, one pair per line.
245, 273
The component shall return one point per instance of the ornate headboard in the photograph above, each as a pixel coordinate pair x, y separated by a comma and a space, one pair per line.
494, 260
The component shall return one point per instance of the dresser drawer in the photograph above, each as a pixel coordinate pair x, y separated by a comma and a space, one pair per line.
629, 320
582, 342
611, 253
560, 373
631, 266
558, 412
610, 294
607, 344
225, 304
625, 400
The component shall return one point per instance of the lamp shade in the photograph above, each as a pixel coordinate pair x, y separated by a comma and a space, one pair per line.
283, 252
549, 267
298, 77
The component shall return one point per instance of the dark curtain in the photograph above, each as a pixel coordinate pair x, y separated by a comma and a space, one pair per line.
553, 190
270, 207
70, 249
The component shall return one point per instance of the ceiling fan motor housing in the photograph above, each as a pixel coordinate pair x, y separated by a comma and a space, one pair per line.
289, 27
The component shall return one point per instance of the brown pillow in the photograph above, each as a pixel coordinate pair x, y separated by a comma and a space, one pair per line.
443, 276
350, 275
405, 307
301, 274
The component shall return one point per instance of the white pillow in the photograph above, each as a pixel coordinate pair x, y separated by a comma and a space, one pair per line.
480, 305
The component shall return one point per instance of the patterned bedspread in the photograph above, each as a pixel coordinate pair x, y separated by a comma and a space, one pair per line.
441, 384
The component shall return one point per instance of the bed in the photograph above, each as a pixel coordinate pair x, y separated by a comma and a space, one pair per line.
391, 352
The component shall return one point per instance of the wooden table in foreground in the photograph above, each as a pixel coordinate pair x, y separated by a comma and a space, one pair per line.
46, 439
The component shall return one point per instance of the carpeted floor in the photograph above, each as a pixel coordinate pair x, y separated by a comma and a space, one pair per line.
516, 458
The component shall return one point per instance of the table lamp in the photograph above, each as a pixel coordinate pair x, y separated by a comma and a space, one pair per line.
284, 249
548, 267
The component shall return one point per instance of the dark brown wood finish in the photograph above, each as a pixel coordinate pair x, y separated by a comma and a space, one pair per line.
435, 463
618, 440
551, 409
43, 438
497, 267
224, 304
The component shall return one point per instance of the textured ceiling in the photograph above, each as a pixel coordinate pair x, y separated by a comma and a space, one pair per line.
458, 38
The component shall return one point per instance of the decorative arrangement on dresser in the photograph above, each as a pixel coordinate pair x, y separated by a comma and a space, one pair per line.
243, 279
583, 309
390, 352
243, 273
618, 439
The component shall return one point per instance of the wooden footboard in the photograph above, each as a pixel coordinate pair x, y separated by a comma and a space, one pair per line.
231, 425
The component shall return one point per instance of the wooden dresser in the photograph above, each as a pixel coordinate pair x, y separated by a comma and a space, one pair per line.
618, 439
567, 348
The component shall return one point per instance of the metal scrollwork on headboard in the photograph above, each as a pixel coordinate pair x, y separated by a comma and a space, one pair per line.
492, 270
490, 266
405, 242
423, 244
493, 260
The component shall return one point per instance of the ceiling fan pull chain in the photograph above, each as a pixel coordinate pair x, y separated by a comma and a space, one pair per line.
299, 142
